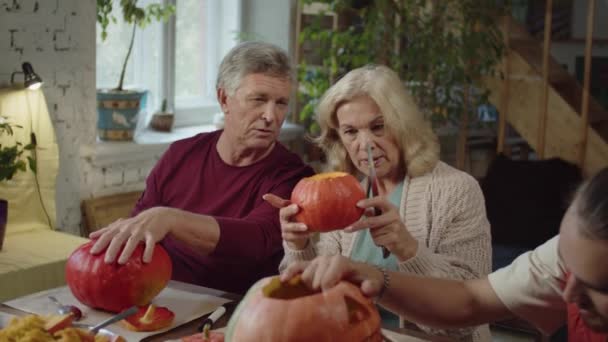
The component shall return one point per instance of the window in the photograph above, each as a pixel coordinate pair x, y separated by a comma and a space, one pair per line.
177, 60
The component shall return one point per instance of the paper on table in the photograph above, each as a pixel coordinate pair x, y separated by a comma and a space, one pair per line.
5, 319
396, 337
187, 306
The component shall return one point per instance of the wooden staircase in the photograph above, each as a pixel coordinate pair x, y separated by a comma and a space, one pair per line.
564, 129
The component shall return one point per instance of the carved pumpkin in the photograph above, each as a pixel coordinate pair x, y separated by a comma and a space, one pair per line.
275, 312
328, 201
113, 287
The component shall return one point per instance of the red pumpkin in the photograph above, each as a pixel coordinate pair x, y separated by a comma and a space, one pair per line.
328, 201
113, 287
279, 312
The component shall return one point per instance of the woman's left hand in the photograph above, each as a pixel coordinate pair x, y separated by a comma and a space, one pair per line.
387, 229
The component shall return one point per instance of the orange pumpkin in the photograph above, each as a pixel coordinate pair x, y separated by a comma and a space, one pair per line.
113, 287
328, 201
275, 312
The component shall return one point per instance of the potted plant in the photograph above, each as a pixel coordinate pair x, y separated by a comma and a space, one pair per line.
118, 108
163, 120
11, 162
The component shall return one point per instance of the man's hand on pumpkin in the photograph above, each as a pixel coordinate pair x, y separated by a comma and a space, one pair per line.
150, 226
386, 229
294, 233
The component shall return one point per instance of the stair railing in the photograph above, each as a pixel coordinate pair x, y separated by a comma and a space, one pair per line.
542, 119
586, 81
504, 101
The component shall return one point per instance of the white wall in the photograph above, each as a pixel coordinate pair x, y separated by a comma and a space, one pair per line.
270, 20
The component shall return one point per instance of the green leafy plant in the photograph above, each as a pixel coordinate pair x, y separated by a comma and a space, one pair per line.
134, 15
441, 48
11, 155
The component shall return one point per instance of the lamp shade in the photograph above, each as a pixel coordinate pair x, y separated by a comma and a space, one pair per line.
31, 79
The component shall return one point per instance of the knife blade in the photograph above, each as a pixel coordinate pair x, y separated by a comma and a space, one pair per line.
372, 189
130, 311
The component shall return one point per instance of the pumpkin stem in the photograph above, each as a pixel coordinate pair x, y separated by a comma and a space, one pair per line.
328, 175
206, 331
149, 315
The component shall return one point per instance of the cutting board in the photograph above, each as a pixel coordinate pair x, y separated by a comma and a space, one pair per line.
187, 306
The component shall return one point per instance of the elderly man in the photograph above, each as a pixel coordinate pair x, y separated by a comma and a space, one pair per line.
566, 277
203, 200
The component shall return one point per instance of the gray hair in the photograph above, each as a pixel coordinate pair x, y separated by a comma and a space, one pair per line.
592, 206
252, 58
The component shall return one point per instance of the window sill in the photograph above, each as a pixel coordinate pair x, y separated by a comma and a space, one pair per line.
149, 144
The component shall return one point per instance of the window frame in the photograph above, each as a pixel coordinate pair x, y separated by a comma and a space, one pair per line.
224, 18
200, 110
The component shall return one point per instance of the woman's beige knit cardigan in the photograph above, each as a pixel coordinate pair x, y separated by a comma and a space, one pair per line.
444, 211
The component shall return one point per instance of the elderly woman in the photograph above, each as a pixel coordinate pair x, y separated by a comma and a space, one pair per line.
432, 216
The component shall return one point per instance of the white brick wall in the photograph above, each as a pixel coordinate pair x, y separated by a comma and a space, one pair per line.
58, 38
110, 168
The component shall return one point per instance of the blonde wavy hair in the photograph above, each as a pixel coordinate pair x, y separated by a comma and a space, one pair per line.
403, 119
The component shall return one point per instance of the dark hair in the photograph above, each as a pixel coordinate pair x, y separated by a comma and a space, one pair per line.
592, 206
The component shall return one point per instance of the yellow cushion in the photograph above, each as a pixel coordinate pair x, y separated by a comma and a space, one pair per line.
33, 261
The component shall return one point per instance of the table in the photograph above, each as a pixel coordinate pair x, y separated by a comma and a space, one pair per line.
190, 328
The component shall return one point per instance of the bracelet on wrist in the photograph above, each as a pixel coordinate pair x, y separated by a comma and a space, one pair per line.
386, 280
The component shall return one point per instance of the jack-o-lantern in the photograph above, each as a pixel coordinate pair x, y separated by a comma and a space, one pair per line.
273, 311
328, 201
